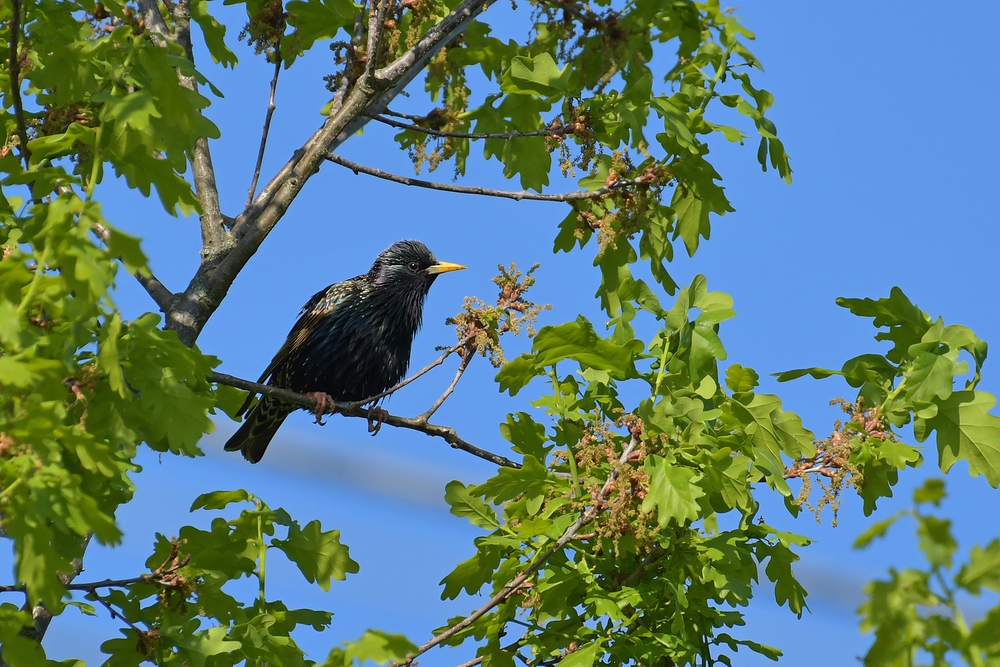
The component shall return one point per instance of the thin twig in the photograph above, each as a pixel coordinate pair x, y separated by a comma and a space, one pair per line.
489, 192
466, 358
267, 124
156, 577
547, 132
446, 433
589, 515
402, 383
156, 290
15, 81
406, 116
115, 614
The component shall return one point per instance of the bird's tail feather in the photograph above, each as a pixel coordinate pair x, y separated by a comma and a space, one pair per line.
260, 425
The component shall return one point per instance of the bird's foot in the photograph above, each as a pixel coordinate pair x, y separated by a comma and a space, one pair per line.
324, 404
376, 417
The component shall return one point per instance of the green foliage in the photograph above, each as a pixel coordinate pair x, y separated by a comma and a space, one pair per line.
631, 532
110, 94
916, 613
81, 390
653, 574
915, 381
180, 612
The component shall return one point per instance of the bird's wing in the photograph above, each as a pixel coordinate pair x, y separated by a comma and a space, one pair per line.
319, 306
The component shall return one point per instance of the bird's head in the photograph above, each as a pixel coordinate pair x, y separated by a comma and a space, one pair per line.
408, 265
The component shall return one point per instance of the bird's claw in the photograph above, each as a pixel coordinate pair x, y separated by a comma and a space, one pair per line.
376, 417
324, 404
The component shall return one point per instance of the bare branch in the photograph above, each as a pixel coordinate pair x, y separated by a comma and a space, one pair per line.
406, 66
446, 433
376, 26
393, 389
467, 355
267, 123
156, 290
213, 231
352, 54
489, 192
589, 515
547, 132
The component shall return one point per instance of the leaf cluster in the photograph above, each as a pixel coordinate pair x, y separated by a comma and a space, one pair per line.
918, 613
919, 381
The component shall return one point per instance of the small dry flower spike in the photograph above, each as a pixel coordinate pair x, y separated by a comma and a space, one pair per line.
832, 457
481, 325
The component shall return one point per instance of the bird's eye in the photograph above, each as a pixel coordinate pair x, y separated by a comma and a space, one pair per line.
414, 266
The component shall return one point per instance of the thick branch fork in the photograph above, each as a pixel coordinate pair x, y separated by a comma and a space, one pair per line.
226, 252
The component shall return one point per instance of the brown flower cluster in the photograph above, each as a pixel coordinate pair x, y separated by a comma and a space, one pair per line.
832, 458
481, 325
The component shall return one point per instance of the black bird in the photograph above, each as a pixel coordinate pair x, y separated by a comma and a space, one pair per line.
352, 340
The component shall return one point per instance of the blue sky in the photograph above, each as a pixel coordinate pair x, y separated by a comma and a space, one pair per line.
889, 113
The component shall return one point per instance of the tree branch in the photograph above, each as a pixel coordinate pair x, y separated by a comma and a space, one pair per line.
355, 409
547, 132
153, 20
352, 53
217, 272
376, 26
589, 515
156, 290
267, 123
213, 231
488, 192
467, 354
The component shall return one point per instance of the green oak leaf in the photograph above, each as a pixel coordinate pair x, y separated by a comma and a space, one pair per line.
539, 75
318, 553
966, 431
982, 570
464, 503
673, 492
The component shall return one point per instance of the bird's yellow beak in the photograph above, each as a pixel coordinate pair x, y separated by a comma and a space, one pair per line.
443, 267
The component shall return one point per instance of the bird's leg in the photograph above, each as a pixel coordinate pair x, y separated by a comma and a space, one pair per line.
324, 404
376, 417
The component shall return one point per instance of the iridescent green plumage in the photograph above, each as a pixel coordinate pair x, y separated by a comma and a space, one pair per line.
352, 340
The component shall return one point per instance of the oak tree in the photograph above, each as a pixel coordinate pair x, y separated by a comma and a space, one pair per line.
624, 528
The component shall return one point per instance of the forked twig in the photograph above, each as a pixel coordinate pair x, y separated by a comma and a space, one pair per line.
467, 355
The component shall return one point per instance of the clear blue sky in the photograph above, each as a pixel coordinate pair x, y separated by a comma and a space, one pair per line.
889, 112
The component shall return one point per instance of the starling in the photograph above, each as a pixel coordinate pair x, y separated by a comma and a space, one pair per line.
352, 340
